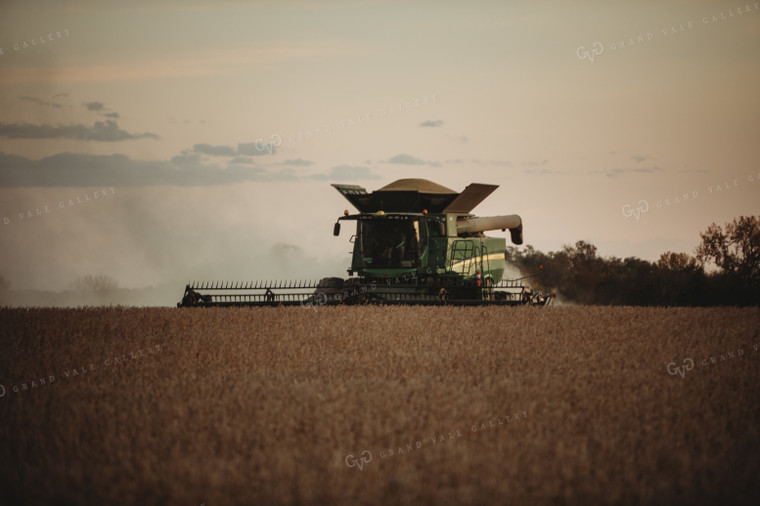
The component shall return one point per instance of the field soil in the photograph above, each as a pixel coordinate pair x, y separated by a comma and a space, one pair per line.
379, 405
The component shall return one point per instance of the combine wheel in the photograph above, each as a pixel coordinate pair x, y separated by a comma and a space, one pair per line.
331, 287
362, 299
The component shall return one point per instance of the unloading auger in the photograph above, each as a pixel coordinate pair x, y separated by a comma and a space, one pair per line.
416, 243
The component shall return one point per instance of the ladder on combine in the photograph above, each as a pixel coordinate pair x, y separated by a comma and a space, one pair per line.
470, 260
467, 258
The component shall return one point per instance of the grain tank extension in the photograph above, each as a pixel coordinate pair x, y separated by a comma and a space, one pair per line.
414, 242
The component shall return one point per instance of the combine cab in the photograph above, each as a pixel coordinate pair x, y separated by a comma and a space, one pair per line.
415, 242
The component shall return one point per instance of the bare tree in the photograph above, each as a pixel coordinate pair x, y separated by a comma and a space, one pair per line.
99, 284
678, 262
736, 250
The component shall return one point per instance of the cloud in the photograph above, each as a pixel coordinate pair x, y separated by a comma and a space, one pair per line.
432, 123
107, 131
345, 173
256, 148
93, 106
638, 158
299, 162
100, 107
458, 138
618, 172
350, 172
186, 158
406, 160
42, 102
542, 172
435, 164
60, 95
208, 149
502, 163
535, 164
247, 149
80, 169
242, 160
190, 63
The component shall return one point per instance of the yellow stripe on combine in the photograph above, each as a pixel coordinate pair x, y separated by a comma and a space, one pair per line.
466, 264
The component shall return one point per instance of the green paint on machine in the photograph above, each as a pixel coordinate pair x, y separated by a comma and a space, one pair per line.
415, 242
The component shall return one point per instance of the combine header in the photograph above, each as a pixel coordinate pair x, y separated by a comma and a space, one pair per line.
415, 243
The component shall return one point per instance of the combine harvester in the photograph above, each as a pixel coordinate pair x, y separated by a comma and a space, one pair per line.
415, 243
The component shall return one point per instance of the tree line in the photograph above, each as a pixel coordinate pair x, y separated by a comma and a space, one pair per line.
725, 270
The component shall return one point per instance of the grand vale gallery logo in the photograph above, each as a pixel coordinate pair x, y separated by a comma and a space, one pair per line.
624, 43
641, 207
87, 369
590, 54
35, 41
689, 364
365, 458
42, 210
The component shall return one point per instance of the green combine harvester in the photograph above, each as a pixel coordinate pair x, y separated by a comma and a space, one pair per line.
416, 242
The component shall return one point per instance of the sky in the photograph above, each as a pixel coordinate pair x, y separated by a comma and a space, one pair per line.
159, 142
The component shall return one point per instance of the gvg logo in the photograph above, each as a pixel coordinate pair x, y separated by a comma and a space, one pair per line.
312, 302
688, 365
269, 147
365, 458
642, 207
357, 295
589, 54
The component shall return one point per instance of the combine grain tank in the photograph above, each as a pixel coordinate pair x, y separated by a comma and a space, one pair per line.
414, 242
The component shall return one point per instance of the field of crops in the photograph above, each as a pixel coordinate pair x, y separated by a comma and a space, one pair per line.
379, 405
